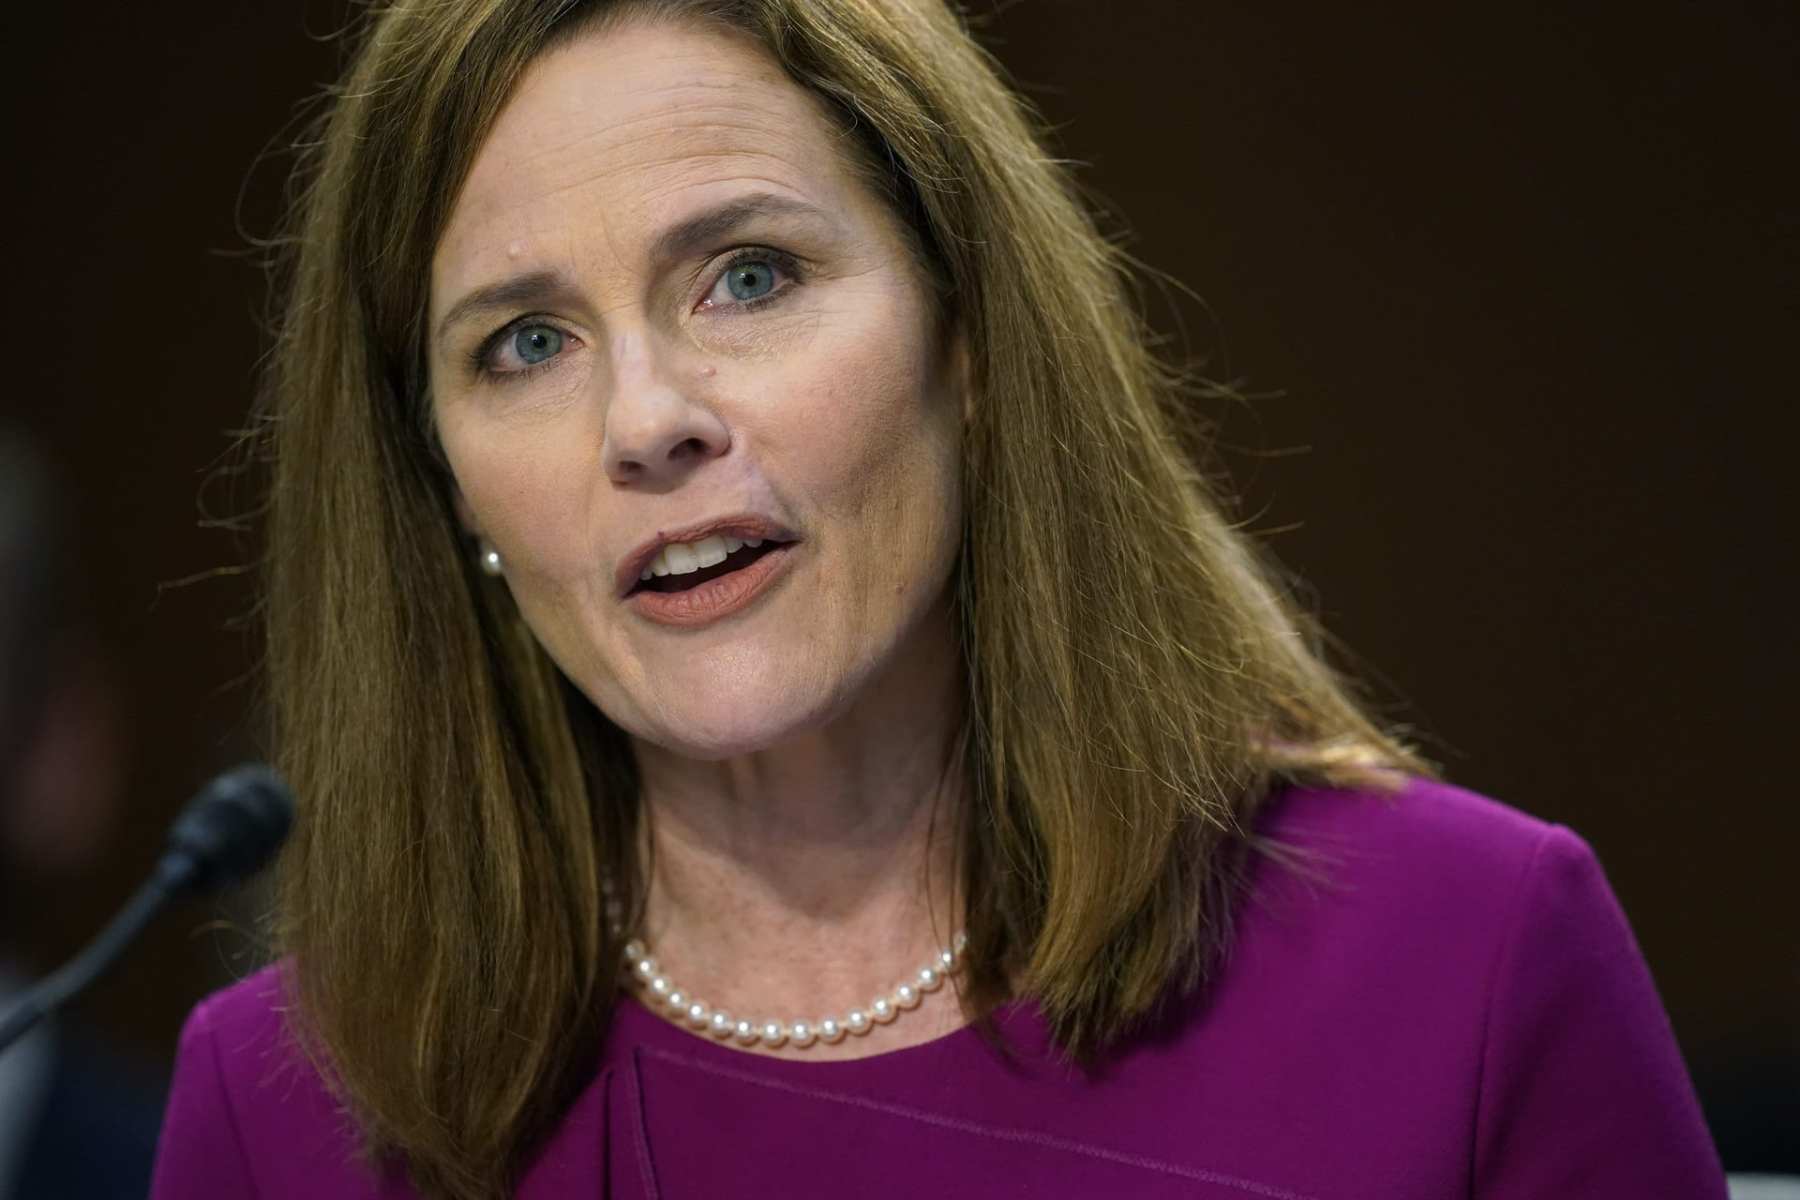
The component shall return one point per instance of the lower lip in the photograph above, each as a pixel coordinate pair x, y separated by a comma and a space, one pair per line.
716, 598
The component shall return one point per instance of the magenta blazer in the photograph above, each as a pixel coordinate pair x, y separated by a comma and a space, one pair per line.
1461, 1012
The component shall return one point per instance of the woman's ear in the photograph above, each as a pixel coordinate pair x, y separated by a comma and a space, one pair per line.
486, 557
961, 374
465, 516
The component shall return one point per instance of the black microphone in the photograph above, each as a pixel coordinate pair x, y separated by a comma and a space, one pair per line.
224, 835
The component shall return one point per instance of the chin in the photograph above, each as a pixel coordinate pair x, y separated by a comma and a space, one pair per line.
709, 735
719, 722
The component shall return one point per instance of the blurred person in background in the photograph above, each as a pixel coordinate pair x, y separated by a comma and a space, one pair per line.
77, 1120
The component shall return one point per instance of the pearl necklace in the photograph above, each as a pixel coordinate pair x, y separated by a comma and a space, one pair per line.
882, 1010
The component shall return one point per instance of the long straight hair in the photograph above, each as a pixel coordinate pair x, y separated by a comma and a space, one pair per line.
1139, 678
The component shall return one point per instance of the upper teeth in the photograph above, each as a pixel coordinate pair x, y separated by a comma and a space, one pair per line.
679, 558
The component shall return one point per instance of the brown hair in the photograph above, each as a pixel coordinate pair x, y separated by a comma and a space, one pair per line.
1139, 678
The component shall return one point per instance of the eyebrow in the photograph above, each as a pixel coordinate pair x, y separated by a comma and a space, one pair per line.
721, 221
530, 290
535, 288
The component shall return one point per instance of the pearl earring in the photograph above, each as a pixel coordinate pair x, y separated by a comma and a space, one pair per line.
490, 561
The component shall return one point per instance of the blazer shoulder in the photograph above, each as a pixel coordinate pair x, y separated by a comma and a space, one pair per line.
244, 1081
247, 1023
252, 1010
261, 1061
1425, 835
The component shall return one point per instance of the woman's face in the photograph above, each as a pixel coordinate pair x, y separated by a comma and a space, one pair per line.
665, 308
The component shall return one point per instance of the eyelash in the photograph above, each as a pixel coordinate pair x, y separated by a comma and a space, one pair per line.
480, 358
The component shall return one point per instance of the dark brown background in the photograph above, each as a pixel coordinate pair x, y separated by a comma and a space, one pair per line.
1515, 287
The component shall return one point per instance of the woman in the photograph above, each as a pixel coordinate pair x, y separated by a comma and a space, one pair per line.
778, 713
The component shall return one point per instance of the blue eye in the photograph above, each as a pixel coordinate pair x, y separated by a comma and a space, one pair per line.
536, 343
750, 280
759, 275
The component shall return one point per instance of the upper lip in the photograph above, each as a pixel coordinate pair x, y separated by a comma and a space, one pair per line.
738, 525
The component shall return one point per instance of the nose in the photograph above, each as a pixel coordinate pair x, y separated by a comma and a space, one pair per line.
657, 433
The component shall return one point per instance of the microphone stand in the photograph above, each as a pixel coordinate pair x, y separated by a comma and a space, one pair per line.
225, 834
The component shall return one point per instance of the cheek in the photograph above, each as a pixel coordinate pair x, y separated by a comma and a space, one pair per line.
523, 485
878, 440
864, 427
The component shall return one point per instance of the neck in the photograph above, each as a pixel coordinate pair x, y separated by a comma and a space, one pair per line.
811, 876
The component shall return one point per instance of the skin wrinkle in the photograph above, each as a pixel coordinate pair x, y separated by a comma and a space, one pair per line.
779, 324
686, 148
805, 245
793, 755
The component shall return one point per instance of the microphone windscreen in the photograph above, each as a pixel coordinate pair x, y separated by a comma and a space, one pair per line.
232, 827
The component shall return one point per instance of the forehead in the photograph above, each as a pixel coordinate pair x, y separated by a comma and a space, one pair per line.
620, 128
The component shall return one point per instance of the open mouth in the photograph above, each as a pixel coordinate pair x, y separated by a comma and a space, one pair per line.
735, 560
